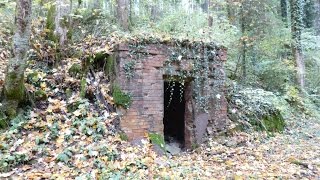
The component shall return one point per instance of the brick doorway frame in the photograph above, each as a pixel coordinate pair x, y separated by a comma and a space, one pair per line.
189, 110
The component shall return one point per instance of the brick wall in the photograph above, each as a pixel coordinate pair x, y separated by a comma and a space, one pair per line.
147, 91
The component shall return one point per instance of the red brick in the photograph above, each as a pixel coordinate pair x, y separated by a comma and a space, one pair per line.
146, 88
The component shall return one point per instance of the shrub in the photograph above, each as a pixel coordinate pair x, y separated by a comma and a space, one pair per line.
257, 109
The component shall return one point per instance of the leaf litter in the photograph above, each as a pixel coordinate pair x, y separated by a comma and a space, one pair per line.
68, 137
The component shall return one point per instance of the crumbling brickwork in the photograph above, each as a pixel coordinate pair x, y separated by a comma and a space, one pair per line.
146, 86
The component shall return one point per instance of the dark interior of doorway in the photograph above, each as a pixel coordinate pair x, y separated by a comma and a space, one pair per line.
174, 111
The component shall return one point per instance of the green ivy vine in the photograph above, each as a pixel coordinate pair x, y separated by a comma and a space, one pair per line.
202, 57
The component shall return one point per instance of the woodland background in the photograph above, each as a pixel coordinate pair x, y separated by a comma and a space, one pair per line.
272, 70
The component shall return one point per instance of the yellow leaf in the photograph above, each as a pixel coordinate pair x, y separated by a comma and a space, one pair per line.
292, 159
147, 160
77, 113
238, 177
60, 140
49, 109
43, 85
229, 163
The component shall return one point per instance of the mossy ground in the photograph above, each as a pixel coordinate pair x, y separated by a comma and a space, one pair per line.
3, 120
274, 123
157, 139
121, 98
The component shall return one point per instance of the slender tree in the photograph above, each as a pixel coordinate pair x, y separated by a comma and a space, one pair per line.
317, 17
284, 10
243, 43
308, 13
61, 21
123, 13
14, 89
97, 4
231, 12
296, 30
205, 6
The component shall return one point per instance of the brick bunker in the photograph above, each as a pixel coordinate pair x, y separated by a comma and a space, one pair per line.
177, 89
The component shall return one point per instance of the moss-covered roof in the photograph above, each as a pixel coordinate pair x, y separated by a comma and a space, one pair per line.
107, 44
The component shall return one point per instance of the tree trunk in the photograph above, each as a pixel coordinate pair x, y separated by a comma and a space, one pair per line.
156, 11
210, 18
97, 4
308, 13
284, 10
205, 6
244, 45
123, 14
14, 89
317, 17
231, 13
296, 30
61, 21
298, 56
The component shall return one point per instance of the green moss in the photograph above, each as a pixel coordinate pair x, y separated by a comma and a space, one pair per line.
14, 94
274, 123
85, 65
271, 123
10, 109
110, 67
123, 136
120, 98
69, 34
68, 93
3, 120
40, 95
73, 106
50, 24
194, 146
17, 91
83, 88
157, 139
99, 57
64, 22
33, 78
75, 70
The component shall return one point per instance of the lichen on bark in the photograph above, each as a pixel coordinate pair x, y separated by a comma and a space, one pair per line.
14, 89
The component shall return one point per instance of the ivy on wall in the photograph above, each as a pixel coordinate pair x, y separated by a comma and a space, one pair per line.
200, 59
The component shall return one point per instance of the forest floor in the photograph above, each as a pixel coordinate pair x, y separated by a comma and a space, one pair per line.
66, 138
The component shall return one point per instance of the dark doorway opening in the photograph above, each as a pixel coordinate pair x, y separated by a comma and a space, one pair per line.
174, 112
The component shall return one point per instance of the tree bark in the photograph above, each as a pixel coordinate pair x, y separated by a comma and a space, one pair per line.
14, 89
284, 10
231, 13
210, 18
156, 11
61, 21
205, 6
296, 30
97, 4
298, 56
123, 14
317, 17
308, 13
244, 45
